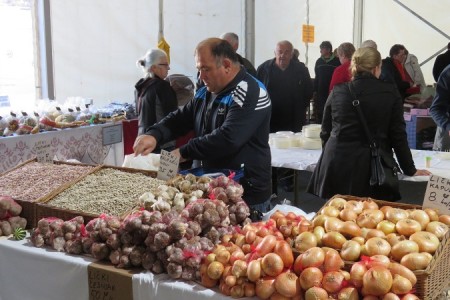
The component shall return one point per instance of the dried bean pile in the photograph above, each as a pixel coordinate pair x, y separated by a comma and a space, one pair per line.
35, 180
108, 191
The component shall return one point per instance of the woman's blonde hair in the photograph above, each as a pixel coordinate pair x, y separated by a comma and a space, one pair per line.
365, 60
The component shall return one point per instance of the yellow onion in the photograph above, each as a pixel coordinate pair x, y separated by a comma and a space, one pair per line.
386, 226
402, 248
254, 270
265, 287
439, 229
348, 293
359, 239
407, 227
348, 215
356, 274
416, 261
377, 281
370, 204
332, 224
350, 229
377, 245
378, 260
394, 238
396, 214
420, 216
375, 233
313, 257
319, 220
330, 211
399, 269
410, 297
319, 231
316, 293
310, 277
390, 296
400, 285
332, 281
304, 241
444, 219
427, 241
286, 284
356, 206
369, 218
350, 251
338, 202
333, 239
432, 213
333, 261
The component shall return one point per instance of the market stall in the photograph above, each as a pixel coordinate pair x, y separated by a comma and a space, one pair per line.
299, 159
85, 144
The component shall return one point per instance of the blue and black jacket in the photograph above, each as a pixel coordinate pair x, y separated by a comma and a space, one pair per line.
231, 131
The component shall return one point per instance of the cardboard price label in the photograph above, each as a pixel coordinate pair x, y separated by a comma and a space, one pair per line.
168, 166
43, 150
437, 194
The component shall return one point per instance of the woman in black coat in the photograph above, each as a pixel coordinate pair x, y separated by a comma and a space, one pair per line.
344, 165
154, 97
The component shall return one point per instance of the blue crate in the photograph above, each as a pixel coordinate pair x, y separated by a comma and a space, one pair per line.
411, 133
200, 171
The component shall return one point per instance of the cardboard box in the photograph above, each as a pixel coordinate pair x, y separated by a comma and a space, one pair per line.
107, 282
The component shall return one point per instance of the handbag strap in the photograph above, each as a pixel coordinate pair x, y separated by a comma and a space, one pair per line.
362, 120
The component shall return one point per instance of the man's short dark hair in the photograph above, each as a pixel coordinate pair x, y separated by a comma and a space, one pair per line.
326, 45
222, 50
396, 49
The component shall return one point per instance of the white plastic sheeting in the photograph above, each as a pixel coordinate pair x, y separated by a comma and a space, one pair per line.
96, 43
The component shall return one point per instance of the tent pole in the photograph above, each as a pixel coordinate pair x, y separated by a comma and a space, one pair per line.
358, 9
250, 30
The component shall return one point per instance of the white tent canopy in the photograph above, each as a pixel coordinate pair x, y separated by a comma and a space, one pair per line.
95, 44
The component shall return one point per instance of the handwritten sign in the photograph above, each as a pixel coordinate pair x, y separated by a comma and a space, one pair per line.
43, 151
112, 134
109, 283
168, 166
437, 194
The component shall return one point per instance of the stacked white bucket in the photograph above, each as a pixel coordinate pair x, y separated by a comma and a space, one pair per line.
308, 138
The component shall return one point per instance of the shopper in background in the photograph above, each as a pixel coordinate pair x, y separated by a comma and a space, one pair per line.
154, 97
233, 39
393, 71
344, 166
413, 72
442, 60
290, 88
342, 73
370, 44
440, 111
230, 116
324, 68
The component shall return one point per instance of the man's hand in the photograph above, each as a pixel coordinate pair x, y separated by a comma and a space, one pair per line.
144, 144
177, 153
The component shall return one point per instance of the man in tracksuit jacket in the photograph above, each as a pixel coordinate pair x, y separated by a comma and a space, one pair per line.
230, 116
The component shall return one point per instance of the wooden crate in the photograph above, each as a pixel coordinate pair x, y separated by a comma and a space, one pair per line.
435, 279
45, 209
29, 207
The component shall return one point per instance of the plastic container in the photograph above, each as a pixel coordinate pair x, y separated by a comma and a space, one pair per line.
281, 141
311, 131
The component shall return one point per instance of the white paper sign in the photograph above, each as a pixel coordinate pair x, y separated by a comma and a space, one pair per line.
43, 151
168, 165
437, 194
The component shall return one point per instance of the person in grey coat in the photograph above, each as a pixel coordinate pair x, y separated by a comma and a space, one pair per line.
440, 111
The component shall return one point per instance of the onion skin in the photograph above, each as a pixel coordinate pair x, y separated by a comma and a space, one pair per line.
265, 287
377, 246
350, 251
284, 250
348, 293
304, 241
272, 264
416, 261
407, 227
400, 285
402, 248
377, 281
316, 293
332, 281
313, 257
399, 269
286, 284
310, 277
427, 241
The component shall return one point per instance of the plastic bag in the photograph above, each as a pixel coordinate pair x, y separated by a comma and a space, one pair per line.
144, 162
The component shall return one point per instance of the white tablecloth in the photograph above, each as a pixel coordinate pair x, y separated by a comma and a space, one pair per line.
84, 144
27, 272
302, 159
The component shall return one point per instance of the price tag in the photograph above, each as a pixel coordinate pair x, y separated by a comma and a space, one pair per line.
437, 194
43, 151
168, 166
112, 134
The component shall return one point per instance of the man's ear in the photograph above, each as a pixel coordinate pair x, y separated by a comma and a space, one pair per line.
227, 63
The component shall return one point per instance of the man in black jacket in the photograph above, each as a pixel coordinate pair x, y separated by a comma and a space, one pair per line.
442, 60
230, 116
290, 88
